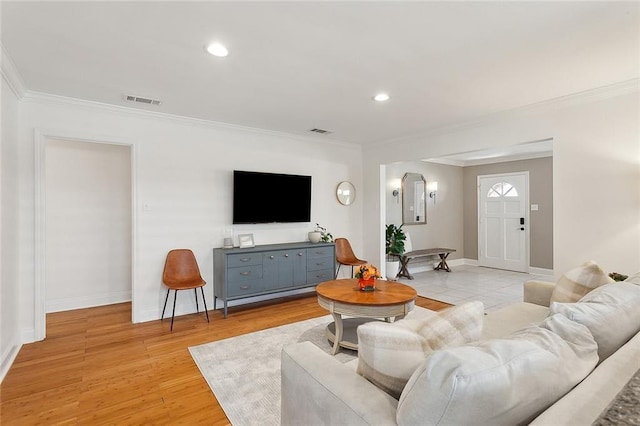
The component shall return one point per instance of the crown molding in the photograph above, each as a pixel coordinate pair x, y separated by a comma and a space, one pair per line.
31, 96
11, 75
587, 96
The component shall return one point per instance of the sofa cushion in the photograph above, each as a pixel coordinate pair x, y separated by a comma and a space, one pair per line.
504, 321
388, 353
634, 279
502, 381
573, 285
611, 312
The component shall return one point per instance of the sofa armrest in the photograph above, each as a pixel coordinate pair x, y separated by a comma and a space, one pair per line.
538, 292
319, 390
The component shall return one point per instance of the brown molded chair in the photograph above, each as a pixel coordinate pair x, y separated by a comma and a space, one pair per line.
345, 255
181, 272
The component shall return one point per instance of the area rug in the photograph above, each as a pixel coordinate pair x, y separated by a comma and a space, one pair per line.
244, 372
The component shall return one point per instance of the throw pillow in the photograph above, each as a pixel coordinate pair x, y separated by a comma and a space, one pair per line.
505, 381
389, 353
573, 285
610, 312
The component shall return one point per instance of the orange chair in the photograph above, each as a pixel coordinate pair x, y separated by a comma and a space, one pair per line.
345, 255
181, 272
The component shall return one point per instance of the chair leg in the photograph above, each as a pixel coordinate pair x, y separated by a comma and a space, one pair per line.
165, 304
175, 296
351, 271
204, 301
195, 291
338, 270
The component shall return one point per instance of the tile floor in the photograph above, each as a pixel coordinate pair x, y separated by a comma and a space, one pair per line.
496, 288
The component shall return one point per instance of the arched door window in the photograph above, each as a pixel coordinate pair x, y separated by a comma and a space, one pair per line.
502, 189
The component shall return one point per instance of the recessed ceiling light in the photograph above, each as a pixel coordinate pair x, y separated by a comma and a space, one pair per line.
216, 49
381, 97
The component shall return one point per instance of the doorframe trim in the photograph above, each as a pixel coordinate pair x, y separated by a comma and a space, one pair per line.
41, 136
527, 243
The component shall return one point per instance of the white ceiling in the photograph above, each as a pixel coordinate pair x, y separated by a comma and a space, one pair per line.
294, 66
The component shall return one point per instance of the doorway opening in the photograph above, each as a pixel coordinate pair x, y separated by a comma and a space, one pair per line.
84, 223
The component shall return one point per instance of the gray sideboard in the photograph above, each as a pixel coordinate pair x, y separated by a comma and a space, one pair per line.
248, 272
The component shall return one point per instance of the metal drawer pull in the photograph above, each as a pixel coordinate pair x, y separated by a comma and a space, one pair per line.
270, 257
245, 273
245, 259
244, 287
319, 263
286, 255
299, 254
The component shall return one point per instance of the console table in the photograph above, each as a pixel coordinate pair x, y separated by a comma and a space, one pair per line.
248, 272
406, 257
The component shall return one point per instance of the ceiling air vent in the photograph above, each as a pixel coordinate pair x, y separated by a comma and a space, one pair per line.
321, 131
143, 100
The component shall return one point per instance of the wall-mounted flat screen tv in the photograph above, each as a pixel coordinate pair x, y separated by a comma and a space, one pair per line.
270, 198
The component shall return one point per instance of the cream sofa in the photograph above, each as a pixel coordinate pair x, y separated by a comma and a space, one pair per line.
317, 389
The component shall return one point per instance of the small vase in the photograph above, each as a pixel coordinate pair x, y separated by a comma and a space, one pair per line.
367, 284
315, 236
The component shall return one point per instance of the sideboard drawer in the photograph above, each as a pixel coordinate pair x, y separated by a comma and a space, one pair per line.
247, 287
234, 260
315, 277
320, 263
325, 251
246, 273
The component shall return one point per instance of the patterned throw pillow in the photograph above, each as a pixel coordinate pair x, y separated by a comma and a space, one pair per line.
389, 353
576, 283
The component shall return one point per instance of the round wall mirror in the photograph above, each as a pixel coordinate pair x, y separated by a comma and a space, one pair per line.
346, 193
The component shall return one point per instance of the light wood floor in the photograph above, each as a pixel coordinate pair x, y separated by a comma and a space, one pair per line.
95, 367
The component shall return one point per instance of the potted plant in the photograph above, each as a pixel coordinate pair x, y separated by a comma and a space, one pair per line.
320, 234
394, 248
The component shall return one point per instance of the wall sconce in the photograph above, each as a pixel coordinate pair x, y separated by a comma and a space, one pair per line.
396, 193
432, 187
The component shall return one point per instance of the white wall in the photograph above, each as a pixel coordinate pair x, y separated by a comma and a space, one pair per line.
9, 243
88, 224
596, 171
183, 173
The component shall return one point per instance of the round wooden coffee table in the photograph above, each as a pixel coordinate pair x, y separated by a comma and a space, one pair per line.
343, 297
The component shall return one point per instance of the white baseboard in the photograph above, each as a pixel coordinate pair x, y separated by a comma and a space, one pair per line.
70, 303
7, 359
540, 271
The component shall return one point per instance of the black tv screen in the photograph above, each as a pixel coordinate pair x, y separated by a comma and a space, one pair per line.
270, 198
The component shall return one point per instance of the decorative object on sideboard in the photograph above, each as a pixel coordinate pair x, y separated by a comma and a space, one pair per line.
246, 241
394, 248
228, 242
346, 193
320, 234
314, 236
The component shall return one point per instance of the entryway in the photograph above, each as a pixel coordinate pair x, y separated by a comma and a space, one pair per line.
84, 223
503, 222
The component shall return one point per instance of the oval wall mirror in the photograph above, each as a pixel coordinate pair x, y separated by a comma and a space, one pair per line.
414, 202
346, 193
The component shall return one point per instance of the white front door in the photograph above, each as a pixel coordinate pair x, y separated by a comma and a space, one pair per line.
503, 223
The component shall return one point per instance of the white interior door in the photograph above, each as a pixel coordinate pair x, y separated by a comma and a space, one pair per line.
503, 235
